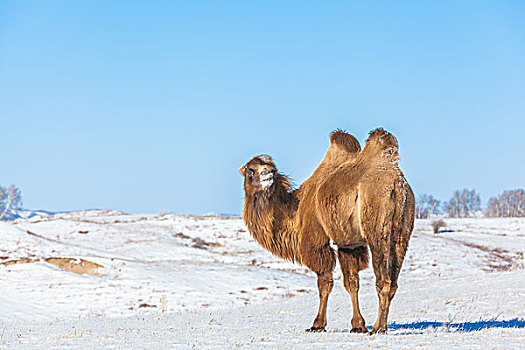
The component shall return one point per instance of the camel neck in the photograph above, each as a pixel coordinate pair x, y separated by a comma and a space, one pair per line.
270, 221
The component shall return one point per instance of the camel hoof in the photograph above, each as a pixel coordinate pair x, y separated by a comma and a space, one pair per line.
377, 331
315, 329
359, 330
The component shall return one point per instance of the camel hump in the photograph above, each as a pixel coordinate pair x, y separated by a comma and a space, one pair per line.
344, 141
381, 142
343, 147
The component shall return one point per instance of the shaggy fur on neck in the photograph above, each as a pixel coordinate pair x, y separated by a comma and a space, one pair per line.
269, 216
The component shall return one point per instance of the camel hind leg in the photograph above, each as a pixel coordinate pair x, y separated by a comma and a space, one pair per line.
352, 261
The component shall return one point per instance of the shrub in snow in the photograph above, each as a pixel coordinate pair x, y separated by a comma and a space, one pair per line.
437, 224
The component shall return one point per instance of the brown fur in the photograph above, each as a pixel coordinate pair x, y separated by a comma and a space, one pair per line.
269, 215
354, 198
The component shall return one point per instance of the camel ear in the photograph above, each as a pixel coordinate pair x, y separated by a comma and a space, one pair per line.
242, 170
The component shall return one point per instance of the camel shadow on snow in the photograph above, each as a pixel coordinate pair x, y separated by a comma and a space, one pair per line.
452, 327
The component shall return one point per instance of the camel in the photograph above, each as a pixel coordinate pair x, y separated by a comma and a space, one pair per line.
356, 198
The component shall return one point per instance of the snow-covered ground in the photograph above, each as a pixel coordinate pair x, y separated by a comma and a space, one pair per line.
176, 281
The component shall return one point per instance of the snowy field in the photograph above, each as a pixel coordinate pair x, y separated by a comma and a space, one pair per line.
105, 279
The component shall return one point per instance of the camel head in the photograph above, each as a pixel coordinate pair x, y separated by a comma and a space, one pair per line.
259, 174
381, 142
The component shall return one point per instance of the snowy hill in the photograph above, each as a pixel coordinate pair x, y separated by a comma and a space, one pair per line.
106, 278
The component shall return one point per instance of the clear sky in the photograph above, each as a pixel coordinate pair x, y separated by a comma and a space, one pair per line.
146, 106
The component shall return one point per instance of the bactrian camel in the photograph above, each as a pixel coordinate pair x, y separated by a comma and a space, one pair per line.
357, 199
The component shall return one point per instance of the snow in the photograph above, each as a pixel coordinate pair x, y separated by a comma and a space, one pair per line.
463, 287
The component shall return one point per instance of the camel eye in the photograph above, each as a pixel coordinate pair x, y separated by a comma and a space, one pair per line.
250, 173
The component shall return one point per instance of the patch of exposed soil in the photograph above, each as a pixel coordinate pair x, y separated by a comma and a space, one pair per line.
80, 266
202, 244
498, 259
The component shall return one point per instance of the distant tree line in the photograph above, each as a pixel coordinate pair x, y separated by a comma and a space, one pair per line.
10, 202
462, 204
508, 204
466, 203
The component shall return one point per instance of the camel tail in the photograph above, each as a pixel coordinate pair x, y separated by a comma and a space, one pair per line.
403, 220
385, 143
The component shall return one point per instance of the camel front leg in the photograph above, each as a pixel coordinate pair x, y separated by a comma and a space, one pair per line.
351, 261
385, 270
325, 283
385, 293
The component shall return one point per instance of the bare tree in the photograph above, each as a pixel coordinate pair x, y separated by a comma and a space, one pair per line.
473, 201
426, 205
433, 205
493, 208
3, 196
420, 202
518, 203
462, 204
10, 201
508, 204
452, 206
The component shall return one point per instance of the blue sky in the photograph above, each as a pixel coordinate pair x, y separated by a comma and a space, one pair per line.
146, 106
